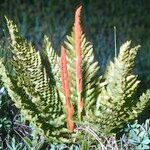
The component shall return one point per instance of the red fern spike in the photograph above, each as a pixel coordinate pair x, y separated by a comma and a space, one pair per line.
66, 90
78, 36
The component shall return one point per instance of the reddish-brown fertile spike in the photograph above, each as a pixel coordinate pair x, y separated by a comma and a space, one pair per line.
66, 90
78, 36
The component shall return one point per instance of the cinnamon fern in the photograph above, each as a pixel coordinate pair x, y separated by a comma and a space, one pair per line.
60, 93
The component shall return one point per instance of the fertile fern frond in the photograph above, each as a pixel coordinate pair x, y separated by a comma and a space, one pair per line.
83, 70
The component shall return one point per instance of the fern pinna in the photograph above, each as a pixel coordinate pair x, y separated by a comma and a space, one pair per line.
58, 94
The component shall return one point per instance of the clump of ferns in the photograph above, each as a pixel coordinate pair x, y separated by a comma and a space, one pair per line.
61, 94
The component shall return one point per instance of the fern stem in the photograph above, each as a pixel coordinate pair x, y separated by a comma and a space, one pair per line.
115, 40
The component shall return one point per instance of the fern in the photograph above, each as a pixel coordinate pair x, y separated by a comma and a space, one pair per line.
90, 72
33, 84
58, 94
117, 98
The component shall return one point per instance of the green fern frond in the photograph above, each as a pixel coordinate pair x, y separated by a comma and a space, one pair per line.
36, 80
117, 98
17, 94
51, 62
144, 102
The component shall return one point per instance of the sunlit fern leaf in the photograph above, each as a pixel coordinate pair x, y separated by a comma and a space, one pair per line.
31, 67
117, 98
36, 80
18, 95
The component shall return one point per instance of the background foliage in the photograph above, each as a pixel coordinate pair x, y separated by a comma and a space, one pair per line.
55, 18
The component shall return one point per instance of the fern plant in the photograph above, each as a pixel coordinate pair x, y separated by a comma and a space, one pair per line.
61, 94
